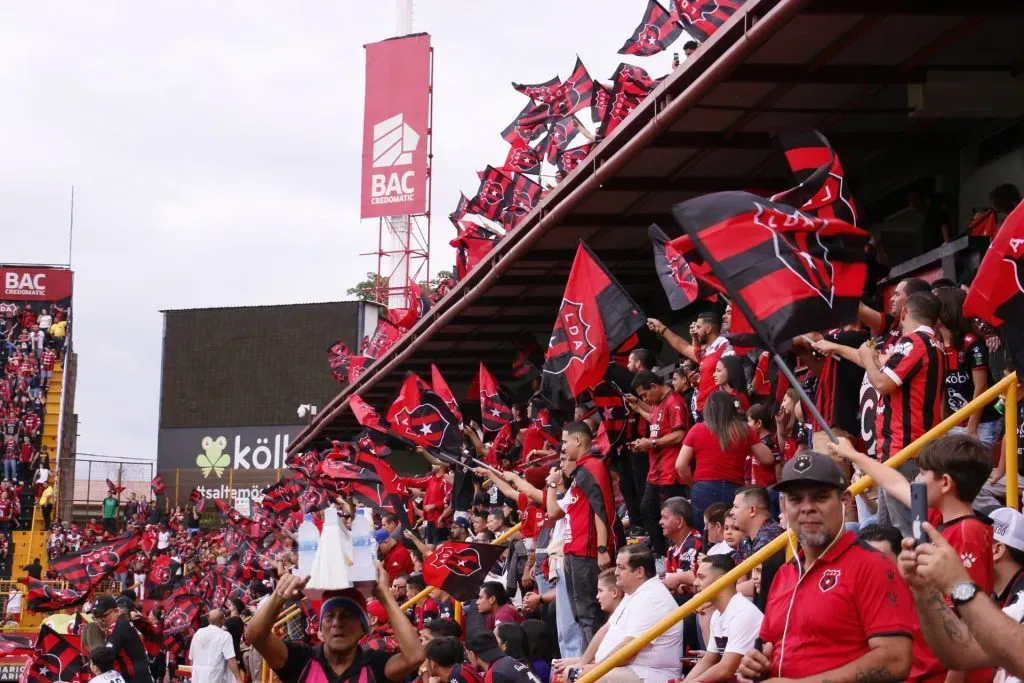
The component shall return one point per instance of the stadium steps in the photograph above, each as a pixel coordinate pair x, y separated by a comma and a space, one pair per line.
51, 422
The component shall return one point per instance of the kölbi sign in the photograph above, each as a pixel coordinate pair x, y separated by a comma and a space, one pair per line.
213, 451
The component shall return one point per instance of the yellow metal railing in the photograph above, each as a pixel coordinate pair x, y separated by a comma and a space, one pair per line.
1007, 384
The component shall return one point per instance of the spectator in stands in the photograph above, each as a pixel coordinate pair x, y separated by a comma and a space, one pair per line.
58, 335
714, 528
681, 561
963, 626
130, 508
838, 611
884, 539
395, 557
1007, 555
110, 506
212, 652
486, 655
669, 419
646, 602
446, 661
46, 505
910, 384
690, 46
716, 451
735, 624
493, 604
122, 638
343, 622
707, 347
35, 569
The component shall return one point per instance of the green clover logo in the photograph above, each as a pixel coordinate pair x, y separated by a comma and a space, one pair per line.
213, 458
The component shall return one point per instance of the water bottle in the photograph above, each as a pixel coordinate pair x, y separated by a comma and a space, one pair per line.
362, 569
309, 543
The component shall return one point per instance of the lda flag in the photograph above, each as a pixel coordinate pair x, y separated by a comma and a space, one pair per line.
395, 124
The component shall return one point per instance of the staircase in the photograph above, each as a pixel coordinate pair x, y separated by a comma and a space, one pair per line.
30, 541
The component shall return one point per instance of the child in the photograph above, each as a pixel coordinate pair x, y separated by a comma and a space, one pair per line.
101, 662
793, 432
953, 468
761, 420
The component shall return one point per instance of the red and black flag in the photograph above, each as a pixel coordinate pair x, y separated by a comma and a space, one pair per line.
459, 569
530, 357
87, 568
195, 496
357, 366
441, 388
600, 102
701, 18
471, 246
490, 197
158, 486
383, 338
569, 159
608, 399
495, 411
280, 496
621, 104
305, 463
522, 159
794, 271
460, 210
338, 359
113, 489
374, 441
560, 134
595, 317
523, 195
539, 91
43, 597
634, 80
821, 185
678, 281
620, 356
365, 414
181, 619
997, 293
501, 445
526, 127
55, 659
423, 417
567, 98
418, 305
161, 574
657, 30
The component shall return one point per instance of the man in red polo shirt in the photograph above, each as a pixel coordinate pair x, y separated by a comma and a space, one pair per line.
395, 557
706, 349
669, 419
435, 488
839, 610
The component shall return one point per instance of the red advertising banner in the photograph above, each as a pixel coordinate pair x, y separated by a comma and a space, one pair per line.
395, 125
29, 283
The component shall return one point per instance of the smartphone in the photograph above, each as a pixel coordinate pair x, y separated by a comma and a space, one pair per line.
918, 510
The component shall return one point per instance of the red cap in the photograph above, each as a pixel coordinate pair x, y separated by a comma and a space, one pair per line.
376, 609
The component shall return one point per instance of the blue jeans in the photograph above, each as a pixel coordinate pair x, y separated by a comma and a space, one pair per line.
11, 469
569, 642
988, 432
704, 493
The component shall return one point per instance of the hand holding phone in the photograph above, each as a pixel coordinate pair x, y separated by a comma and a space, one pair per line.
918, 510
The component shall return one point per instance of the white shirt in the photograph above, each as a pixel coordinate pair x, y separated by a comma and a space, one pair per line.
37, 338
42, 476
1015, 612
14, 602
108, 677
163, 539
210, 651
720, 548
44, 322
735, 629
638, 612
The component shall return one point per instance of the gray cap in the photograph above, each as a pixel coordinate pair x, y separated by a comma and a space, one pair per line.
811, 467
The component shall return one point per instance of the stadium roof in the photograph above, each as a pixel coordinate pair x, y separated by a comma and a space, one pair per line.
844, 67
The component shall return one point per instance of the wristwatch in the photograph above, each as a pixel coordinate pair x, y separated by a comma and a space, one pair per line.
964, 592
602, 548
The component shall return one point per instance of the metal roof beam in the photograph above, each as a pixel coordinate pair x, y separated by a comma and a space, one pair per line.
854, 74
955, 8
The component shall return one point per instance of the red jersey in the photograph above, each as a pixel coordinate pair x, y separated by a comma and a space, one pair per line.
709, 356
666, 417
6, 509
30, 423
714, 464
852, 593
917, 365
890, 334
532, 516
398, 561
764, 475
49, 358
434, 494
589, 494
683, 557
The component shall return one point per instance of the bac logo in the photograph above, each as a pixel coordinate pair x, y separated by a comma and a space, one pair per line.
25, 283
394, 142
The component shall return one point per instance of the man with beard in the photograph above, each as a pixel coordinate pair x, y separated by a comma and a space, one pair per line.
839, 611
706, 349
343, 623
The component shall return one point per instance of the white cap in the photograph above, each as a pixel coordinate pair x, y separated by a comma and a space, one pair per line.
1008, 527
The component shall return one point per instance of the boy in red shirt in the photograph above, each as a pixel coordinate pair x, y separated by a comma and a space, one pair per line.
953, 468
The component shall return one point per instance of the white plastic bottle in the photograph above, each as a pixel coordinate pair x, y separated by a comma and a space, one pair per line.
309, 543
363, 569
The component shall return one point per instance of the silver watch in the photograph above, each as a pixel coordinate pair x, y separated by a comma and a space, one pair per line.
963, 592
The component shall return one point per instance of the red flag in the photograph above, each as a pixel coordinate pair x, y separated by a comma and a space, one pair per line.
501, 445
701, 18
560, 133
383, 338
490, 197
338, 359
441, 388
600, 102
526, 127
422, 417
356, 366
634, 80
43, 597
997, 293
595, 317
459, 569
658, 29
494, 409
539, 91
365, 414
472, 245
674, 272
795, 272
821, 185
113, 489
56, 659
569, 159
520, 199
567, 98
460, 210
522, 158
158, 485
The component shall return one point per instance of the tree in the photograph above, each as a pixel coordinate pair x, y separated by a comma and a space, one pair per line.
375, 288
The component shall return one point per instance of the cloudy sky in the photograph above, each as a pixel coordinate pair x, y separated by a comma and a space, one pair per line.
214, 150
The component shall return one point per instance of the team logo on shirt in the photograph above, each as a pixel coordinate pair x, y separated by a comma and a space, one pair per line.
829, 580
462, 561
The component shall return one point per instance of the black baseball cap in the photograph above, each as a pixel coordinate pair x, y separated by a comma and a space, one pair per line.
811, 467
484, 645
103, 604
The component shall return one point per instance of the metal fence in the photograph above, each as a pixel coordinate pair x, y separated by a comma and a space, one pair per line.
90, 483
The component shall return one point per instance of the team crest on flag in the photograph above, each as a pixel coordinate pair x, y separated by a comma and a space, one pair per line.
461, 561
459, 569
809, 258
569, 339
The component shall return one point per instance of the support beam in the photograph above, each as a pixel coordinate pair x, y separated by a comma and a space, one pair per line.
764, 141
849, 74
915, 8
693, 185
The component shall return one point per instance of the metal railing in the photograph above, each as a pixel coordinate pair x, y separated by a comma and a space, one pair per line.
1007, 385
